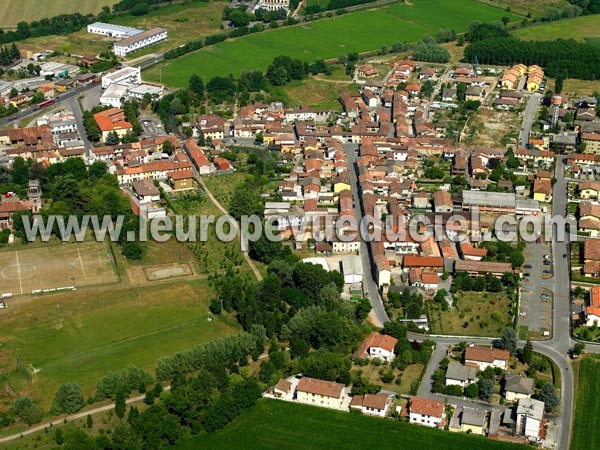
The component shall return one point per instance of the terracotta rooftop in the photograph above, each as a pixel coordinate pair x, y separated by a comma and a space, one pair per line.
320, 387
427, 407
486, 354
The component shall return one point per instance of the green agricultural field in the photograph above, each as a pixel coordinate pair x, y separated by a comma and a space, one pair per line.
274, 424
81, 335
579, 28
328, 38
14, 11
587, 406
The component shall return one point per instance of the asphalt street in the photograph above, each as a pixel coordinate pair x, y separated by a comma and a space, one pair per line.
528, 119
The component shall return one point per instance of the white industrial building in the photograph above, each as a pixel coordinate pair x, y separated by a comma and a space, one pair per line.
139, 41
273, 5
110, 30
113, 95
127, 74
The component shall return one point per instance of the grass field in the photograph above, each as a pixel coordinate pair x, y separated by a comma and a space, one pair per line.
535, 7
327, 38
477, 314
578, 28
321, 92
274, 424
53, 266
587, 406
79, 336
12, 11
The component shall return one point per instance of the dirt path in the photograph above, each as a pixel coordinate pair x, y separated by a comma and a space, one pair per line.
72, 417
237, 225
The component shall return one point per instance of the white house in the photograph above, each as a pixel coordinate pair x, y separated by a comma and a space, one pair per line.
377, 346
429, 413
485, 357
320, 393
459, 375
372, 404
530, 413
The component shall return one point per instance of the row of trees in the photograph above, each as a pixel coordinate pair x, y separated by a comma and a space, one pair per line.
561, 57
9, 54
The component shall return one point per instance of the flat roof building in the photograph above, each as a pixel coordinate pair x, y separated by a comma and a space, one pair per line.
139, 41
110, 30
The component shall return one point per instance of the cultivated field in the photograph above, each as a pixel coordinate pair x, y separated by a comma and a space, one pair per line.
274, 424
587, 406
328, 38
14, 11
55, 266
535, 7
79, 336
578, 28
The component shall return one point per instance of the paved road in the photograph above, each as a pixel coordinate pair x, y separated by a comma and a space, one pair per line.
528, 118
378, 314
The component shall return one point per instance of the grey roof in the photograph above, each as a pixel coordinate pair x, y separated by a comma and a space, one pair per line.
473, 416
460, 372
493, 199
519, 385
352, 265
531, 408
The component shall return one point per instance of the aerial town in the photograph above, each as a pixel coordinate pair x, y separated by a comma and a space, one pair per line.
423, 183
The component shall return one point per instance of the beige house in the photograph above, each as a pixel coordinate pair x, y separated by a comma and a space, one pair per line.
320, 393
468, 420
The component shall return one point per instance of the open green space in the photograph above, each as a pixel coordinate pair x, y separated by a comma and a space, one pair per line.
274, 424
327, 38
14, 11
586, 435
79, 336
579, 28
474, 314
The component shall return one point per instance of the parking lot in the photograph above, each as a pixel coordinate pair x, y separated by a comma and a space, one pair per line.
535, 309
152, 127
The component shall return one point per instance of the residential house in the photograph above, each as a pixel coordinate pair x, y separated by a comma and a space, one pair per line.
484, 357
377, 346
316, 392
542, 190
591, 143
429, 413
592, 312
112, 121
442, 202
372, 404
460, 375
589, 190
468, 420
145, 191
517, 387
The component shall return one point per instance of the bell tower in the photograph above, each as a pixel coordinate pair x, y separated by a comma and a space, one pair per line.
34, 195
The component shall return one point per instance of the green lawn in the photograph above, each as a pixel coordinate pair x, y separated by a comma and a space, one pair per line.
587, 406
14, 11
80, 336
578, 28
327, 38
274, 424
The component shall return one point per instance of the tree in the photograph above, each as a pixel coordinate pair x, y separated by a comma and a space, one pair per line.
120, 405
549, 396
472, 390
363, 308
28, 411
509, 340
527, 352
453, 389
59, 437
68, 399
486, 389
196, 85
168, 147
90, 421
578, 349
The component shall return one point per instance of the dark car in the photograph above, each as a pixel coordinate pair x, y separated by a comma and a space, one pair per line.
547, 262
527, 266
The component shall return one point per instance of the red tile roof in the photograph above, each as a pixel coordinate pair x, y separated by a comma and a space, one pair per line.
486, 354
426, 407
320, 387
375, 340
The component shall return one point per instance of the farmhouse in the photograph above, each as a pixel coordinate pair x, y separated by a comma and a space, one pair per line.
377, 346
484, 357
320, 393
429, 413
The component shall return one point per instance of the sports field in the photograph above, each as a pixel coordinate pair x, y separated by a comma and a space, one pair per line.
14, 11
586, 435
275, 424
580, 28
328, 38
51, 266
80, 336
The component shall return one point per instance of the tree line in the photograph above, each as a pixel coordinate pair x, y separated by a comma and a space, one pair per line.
566, 58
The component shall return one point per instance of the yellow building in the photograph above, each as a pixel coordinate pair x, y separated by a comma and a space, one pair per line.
468, 420
591, 143
320, 393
